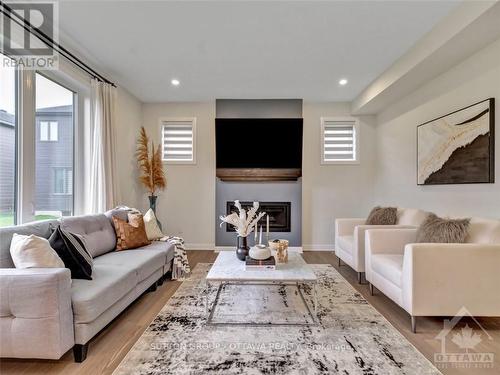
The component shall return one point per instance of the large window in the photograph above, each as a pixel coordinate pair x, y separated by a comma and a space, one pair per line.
54, 148
8, 126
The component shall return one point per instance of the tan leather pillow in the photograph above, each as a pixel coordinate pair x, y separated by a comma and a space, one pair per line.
132, 234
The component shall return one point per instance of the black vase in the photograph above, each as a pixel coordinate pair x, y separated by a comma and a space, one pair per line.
242, 248
152, 205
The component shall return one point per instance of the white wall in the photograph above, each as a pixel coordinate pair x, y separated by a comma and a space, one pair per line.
474, 79
187, 207
128, 122
333, 191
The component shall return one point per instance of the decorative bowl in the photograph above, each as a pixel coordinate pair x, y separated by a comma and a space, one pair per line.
259, 252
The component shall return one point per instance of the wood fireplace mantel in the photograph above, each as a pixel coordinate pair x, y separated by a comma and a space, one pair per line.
258, 174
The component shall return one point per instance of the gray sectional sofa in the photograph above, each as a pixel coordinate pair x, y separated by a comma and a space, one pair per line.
43, 313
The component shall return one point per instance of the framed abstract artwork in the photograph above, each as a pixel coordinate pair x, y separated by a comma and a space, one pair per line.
458, 148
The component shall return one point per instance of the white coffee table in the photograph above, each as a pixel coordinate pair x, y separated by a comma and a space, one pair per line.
228, 269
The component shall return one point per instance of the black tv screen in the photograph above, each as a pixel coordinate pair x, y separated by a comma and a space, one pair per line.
258, 143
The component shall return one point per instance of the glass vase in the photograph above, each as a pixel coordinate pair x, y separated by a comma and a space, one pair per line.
152, 205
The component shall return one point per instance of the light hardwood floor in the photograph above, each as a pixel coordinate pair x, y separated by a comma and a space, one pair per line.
109, 347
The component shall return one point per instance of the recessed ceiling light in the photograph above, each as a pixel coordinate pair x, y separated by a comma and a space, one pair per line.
175, 82
343, 82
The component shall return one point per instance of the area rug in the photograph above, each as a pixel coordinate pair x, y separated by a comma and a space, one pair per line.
351, 337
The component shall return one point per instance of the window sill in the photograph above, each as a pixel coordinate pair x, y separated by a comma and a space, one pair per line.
341, 162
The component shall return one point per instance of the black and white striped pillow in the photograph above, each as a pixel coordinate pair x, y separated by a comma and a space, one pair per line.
71, 249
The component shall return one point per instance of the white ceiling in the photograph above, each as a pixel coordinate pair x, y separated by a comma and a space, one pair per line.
278, 49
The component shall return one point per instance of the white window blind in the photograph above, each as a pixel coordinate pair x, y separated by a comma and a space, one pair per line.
178, 140
339, 140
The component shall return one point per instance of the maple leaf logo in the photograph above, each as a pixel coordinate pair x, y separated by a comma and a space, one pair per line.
467, 338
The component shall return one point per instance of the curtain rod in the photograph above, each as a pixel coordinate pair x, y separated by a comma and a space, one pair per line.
7, 11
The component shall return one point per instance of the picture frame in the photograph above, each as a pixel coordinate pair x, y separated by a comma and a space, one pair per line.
459, 147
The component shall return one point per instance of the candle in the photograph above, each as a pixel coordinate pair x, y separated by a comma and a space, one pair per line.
255, 234
267, 231
260, 236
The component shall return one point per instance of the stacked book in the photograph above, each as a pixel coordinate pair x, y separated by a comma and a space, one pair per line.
264, 264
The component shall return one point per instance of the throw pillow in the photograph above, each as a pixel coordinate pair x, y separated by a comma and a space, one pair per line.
33, 252
439, 230
383, 216
73, 252
153, 231
130, 235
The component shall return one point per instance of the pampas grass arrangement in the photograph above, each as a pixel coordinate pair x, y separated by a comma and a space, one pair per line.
152, 175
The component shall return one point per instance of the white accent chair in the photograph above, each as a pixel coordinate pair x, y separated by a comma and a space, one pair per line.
437, 279
350, 236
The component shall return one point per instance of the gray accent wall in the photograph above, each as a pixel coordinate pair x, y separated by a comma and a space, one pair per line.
258, 108
259, 191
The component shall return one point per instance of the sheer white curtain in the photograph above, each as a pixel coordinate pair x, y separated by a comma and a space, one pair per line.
102, 187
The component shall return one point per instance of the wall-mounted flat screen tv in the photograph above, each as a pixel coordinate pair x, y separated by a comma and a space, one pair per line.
258, 143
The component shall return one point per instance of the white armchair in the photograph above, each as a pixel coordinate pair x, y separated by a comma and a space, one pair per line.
435, 279
350, 236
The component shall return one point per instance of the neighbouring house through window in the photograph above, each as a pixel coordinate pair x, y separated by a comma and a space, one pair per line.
8, 144
54, 150
63, 181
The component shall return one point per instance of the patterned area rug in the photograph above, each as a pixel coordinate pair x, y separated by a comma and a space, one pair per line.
351, 337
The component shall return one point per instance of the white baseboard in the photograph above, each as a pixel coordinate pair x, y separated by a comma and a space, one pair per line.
224, 248
300, 249
200, 246
314, 247
232, 248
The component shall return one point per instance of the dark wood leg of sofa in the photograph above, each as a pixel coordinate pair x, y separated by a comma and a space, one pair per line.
168, 275
152, 288
80, 352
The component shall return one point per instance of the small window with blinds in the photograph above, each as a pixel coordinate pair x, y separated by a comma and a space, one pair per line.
339, 139
179, 140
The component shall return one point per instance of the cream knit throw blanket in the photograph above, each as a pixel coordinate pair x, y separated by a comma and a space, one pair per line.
180, 265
